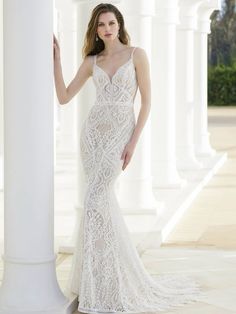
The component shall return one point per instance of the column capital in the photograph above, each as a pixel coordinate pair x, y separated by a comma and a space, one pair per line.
188, 13
167, 12
203, 15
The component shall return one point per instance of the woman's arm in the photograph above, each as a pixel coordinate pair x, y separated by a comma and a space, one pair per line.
65, 94
144, 82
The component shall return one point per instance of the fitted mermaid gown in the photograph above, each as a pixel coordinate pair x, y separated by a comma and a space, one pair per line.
107, 273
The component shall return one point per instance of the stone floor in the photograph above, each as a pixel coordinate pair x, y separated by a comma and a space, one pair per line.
211, 219
203, 244
215, 269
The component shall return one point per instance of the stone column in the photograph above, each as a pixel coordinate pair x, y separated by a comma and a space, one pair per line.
67, 36
67, 121
1, 97
135, 183
83, 102
29, 281
164, 170
186, 159
201, 134
57, 106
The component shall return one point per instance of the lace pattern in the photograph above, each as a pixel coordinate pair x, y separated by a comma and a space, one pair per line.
107, 273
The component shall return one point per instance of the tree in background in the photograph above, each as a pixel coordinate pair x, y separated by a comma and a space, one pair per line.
222, 56
222, 39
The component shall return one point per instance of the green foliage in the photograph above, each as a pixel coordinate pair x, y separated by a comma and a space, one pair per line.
222, 39
222, 56
222, 85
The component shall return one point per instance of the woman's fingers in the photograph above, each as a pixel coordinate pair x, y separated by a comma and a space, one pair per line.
127, 158
124, 164
123, 154
56, 43
55, 40
56, 47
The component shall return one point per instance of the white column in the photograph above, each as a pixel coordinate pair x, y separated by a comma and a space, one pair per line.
67, 36
201, 134
84, 101
135, 183
186, 159
56, 103
164, 170
1, 96
67, 114
29, 281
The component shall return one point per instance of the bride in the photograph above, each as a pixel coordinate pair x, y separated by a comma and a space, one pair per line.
107, 273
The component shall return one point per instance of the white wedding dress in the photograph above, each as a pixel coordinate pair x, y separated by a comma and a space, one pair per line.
107, 273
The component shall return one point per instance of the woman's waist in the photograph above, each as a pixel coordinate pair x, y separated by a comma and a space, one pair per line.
102, 112
129, 103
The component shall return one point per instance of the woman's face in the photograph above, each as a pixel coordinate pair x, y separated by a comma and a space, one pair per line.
108, 26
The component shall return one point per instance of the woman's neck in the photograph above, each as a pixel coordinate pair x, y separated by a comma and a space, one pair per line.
112, 47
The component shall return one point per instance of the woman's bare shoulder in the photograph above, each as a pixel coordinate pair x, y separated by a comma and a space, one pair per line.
88, 63
139, 52
140, 56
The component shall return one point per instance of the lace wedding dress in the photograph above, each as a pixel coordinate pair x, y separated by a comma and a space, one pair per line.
107, 273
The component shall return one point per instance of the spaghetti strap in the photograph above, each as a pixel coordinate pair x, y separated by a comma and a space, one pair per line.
133, 52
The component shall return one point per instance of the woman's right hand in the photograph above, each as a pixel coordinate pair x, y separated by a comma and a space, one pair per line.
56, 48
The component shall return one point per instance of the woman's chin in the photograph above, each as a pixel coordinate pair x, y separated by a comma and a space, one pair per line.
109, 38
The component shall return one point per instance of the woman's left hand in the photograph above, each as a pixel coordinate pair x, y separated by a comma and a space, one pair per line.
127, 154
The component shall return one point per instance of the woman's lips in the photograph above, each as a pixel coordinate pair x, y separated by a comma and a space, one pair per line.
108, 34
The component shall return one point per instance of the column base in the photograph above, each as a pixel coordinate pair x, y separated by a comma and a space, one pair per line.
186, 159
206, 152
68, 308
189, 164
203, 147
37, 276
166, 176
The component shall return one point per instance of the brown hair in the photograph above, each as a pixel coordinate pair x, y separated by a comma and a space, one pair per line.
91, 46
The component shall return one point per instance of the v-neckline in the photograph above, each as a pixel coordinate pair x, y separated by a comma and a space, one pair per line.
117, 70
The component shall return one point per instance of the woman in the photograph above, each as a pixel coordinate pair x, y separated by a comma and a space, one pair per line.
107, 273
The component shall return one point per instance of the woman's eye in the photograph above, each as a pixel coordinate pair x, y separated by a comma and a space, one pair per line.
109, 23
